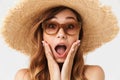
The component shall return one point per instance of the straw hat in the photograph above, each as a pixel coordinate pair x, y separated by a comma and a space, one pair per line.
99, 24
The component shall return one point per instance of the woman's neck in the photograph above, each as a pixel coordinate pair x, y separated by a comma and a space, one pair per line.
60, 65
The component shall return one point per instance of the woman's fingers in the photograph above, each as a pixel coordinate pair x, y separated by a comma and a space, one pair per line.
47, 49
73, 49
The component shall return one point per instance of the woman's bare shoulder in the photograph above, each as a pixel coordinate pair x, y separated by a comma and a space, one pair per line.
94, 72
22, 74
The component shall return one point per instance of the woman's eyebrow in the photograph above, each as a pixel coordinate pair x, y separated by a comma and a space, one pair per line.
70, 17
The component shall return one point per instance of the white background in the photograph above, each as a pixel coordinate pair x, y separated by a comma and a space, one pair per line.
108, 56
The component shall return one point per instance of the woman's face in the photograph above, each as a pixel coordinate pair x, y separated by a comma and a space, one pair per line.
60, 33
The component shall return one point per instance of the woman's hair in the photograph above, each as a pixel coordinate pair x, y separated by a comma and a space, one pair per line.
38, 64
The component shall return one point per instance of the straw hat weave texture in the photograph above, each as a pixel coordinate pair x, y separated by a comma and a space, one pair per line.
99, 23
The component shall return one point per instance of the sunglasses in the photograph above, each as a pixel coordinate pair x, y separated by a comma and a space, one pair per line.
52, 27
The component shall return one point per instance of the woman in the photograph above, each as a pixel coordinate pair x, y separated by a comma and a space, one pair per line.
60, 35
62, 25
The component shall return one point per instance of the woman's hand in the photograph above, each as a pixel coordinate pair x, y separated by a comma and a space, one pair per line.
68, 63
53, 66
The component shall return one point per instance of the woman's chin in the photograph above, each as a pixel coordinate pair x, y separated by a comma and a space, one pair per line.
60, 60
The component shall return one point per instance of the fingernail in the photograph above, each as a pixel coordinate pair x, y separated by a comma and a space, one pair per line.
78, 41
43, 43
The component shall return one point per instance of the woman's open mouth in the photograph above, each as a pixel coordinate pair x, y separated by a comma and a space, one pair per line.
61, 49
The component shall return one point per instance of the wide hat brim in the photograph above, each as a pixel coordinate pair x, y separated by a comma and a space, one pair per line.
99, 23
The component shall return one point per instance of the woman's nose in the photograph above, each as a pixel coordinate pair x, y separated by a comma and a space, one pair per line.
61, 34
